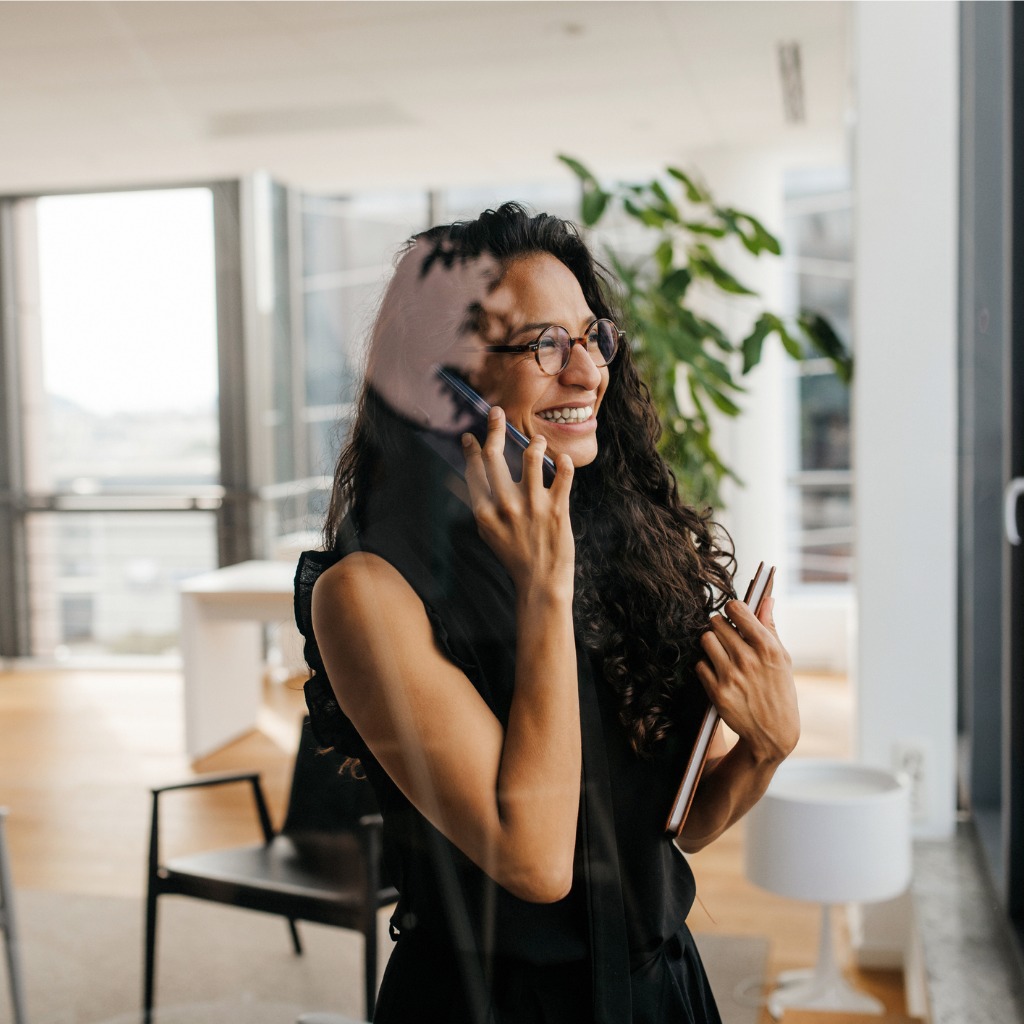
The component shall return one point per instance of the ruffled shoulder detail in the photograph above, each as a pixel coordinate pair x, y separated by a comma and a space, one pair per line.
331, 726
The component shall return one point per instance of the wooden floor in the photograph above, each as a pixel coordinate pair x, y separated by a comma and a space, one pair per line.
78, 750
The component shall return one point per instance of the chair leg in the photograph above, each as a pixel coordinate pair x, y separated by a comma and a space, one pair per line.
370, 961
296, 941
149, 970
14, 966
9, 928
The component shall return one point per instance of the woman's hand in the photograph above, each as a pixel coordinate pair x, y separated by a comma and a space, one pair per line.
748, 675
526, 524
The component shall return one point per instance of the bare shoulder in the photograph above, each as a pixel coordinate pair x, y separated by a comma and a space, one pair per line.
357, 573
365, 597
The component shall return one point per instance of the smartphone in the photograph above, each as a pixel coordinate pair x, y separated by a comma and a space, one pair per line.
468, 401
759, 588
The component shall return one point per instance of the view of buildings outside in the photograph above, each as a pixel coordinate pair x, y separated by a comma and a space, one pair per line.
123, 415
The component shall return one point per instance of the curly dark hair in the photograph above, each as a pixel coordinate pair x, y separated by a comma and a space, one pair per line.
650, 569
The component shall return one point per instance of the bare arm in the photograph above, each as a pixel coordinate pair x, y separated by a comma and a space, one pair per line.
508, 798
748, 674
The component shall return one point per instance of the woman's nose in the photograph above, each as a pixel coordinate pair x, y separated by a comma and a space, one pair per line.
581, 369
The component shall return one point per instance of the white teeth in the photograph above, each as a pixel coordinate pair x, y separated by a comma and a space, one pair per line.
567, 415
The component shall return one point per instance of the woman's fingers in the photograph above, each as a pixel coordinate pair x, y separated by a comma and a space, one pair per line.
715, 650
746, 623
498, 476
476, 475
533, 468
733, 642
562, 485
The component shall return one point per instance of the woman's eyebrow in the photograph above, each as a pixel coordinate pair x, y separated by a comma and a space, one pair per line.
541, 326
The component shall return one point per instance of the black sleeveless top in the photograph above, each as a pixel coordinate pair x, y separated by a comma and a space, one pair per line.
616, 949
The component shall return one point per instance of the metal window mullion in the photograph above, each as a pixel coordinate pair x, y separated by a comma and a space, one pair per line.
234, 518
15, 638
295, 256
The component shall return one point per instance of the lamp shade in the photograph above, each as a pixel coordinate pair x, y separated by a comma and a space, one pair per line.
830, 832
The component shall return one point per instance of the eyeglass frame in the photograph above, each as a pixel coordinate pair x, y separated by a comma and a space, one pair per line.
534, 346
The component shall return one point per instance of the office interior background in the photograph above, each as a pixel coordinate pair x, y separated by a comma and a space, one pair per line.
201, 201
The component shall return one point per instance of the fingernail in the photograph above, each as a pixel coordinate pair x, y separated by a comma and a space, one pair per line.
467, 440
494, 413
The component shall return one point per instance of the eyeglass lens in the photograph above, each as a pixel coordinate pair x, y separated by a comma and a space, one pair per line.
556, 346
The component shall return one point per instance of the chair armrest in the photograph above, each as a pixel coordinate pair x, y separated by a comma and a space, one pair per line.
218, 779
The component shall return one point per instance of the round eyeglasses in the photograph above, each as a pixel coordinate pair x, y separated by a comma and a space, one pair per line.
553, 348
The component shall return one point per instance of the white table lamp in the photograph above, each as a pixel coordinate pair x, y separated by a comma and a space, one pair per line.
829, 832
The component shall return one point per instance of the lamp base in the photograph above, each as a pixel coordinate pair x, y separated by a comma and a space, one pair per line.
824, 988
812, 990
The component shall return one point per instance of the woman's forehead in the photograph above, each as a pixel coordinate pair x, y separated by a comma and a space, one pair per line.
538, 288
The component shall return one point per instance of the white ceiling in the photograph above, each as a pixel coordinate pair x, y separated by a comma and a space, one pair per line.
362, 94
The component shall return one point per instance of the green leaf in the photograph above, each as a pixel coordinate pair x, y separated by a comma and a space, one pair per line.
693, 191
578, 169
789, 343
695, 395
668, 208
710, 267
722, 402
754, 342
595, 200
699, 228
766, 240
673, 286
649, 217
663, 255
825, 340
716, 334
708, 366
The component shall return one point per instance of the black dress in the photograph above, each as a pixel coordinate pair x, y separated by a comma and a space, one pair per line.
616, 950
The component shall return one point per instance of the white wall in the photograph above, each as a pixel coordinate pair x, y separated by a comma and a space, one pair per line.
905, 180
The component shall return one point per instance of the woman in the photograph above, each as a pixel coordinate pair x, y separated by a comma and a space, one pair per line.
520, 668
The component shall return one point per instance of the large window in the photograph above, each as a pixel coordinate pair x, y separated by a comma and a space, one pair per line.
118, 348
819, 261
324, 264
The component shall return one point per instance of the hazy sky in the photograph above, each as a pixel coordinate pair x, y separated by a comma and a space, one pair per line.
127, 299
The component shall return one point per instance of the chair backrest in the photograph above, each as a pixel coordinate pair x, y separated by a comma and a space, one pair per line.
323, 798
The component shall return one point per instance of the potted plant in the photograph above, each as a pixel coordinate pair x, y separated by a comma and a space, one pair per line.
678, 350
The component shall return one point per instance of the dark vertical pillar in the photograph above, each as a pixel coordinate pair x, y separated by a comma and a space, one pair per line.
1013, 616
14, 611
984, 323
235, 518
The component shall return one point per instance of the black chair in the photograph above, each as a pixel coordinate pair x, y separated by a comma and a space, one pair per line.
323, 866
9, 930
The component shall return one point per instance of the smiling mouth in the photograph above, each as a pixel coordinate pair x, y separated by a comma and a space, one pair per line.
579, 414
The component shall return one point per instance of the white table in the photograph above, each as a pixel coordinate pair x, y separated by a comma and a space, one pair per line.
222, 617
